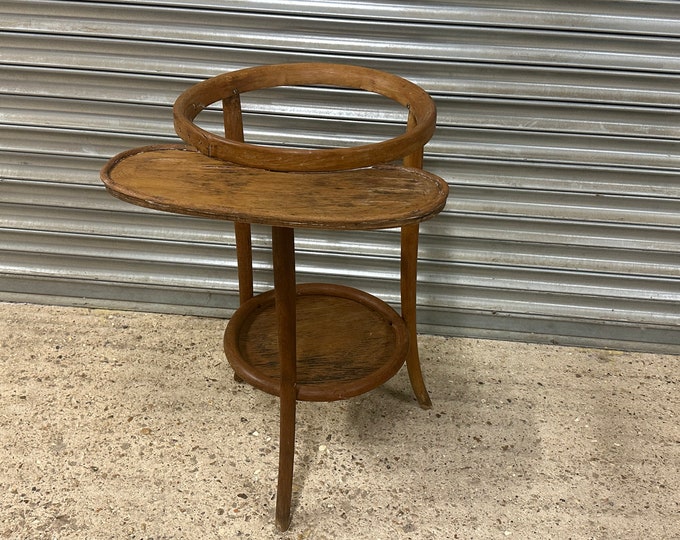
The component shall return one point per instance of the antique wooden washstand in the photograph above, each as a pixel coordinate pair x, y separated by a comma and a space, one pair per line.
313, 341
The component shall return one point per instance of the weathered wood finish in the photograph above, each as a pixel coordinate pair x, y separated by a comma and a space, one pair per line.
348, 342
409, 261
283, 251
181, 180
193, 100
314, 342
233, 129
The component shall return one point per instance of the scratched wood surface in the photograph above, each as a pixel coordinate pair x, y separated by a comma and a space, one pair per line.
347, 342
179, 179
314, 342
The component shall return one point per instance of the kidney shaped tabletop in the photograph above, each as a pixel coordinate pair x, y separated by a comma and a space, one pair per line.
179, 179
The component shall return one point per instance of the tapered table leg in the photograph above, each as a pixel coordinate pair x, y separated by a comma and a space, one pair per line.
409, 262
283, 245
244, 256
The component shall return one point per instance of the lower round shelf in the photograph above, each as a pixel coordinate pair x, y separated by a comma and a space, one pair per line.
348, 342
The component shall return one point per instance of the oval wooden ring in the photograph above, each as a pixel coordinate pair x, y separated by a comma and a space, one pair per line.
422, 116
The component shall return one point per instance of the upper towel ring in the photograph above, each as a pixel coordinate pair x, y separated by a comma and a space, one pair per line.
419, 129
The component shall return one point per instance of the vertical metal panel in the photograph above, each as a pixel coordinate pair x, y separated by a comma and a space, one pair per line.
559, 132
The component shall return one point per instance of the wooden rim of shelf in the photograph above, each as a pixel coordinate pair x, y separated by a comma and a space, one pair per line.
192, 101
330, 390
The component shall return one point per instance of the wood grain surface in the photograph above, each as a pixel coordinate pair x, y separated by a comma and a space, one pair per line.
179, 179
348, 342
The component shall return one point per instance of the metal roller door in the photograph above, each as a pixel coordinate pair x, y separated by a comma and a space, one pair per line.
559, 132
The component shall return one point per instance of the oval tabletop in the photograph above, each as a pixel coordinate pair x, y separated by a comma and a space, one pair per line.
179, 179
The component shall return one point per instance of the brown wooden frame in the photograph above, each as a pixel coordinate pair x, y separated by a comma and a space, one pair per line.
179, 179
229, 86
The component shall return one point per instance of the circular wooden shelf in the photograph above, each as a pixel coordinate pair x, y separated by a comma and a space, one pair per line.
348, 342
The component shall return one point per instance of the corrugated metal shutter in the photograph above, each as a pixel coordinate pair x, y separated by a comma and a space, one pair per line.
559, 128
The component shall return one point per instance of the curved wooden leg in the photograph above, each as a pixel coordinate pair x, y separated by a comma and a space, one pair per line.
283, 245
409, 263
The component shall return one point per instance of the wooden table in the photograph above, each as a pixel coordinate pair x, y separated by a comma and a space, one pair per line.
313, 341
348, 342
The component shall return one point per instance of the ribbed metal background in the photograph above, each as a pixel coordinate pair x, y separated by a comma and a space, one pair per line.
559, 132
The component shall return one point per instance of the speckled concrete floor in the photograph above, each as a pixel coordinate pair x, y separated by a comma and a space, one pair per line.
130, 425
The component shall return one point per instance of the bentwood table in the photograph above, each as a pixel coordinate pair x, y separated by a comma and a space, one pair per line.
313, 341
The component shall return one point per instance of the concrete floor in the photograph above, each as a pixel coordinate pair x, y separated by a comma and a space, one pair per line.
130, 425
